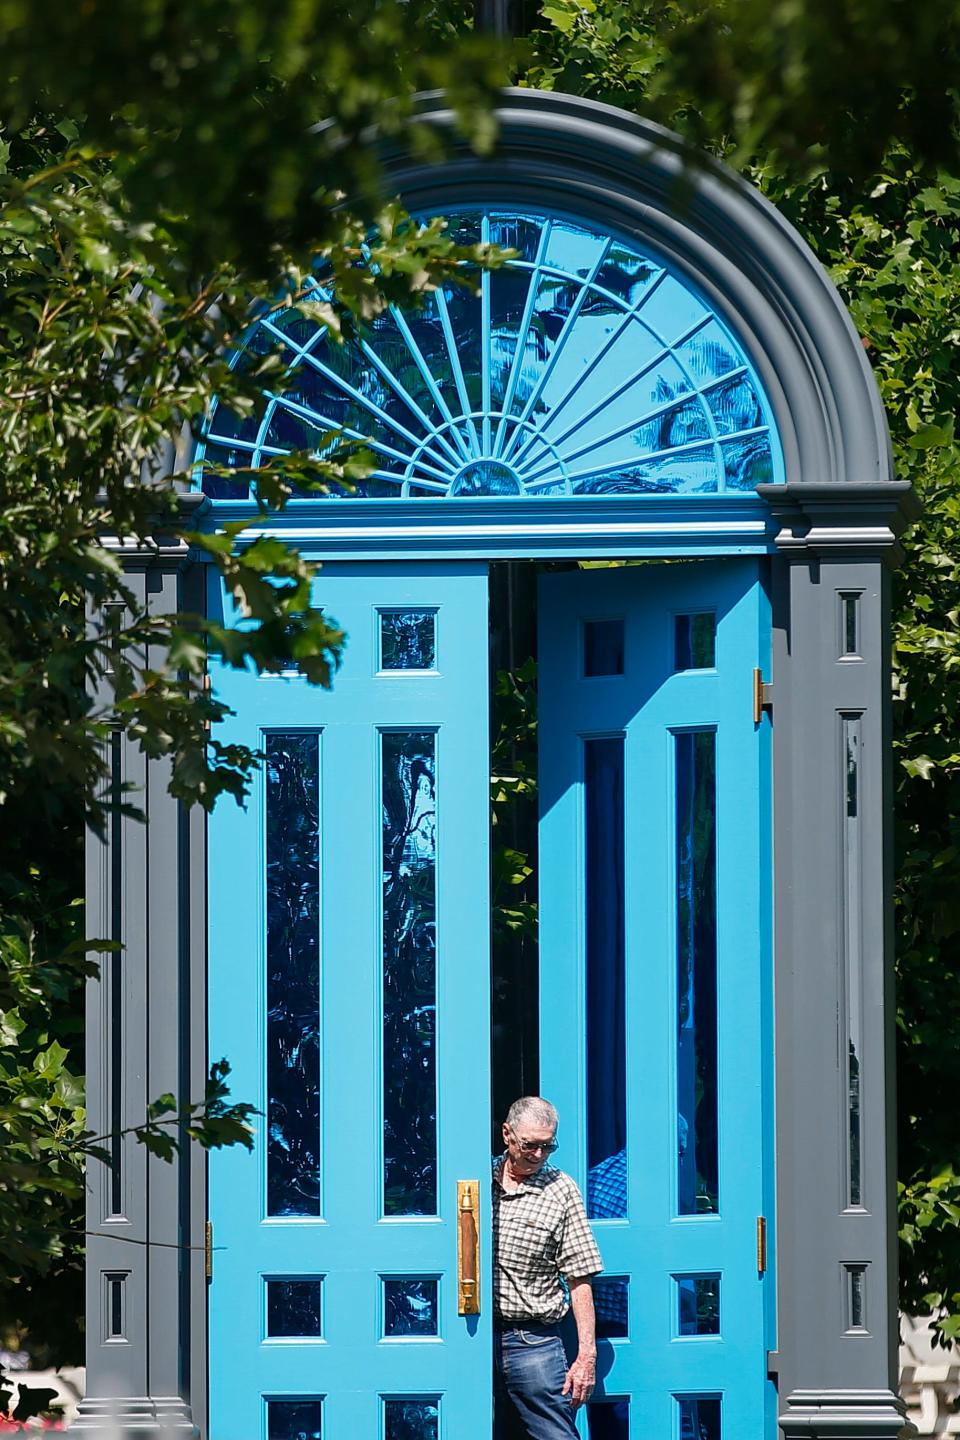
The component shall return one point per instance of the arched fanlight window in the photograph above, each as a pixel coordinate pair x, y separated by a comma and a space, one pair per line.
584, 367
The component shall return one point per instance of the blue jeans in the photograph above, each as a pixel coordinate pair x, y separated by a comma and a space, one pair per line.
530, 1367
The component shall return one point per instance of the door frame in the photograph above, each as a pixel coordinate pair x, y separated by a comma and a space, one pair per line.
831, 530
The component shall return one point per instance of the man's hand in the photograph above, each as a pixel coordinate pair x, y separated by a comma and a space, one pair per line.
581, 1378
582, 1375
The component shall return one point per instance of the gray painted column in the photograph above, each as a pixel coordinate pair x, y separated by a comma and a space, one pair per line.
145, 1035
836, 1215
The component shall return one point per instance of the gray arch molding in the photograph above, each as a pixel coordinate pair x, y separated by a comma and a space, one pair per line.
615, 168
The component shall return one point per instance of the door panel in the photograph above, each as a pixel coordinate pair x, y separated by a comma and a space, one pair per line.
654, 869
349, 986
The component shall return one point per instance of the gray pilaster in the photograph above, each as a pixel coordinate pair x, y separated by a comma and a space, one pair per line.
836, 1259
145, 1036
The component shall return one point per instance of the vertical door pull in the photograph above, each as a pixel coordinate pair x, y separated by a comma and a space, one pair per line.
761, 1245
468, 1247
762, 696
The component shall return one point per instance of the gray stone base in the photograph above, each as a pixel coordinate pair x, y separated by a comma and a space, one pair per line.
116, 1418
845, 1415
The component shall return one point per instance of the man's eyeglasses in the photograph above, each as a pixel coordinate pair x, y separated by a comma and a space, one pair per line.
534, 1147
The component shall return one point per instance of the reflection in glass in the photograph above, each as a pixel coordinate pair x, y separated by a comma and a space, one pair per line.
411, 1419
608, 1420
698, 1297
856, 1276
610, 1299
850, 624
602, 647
584, 367
228, 457
408, 639
293, 974
852, 948
698, 1179
410, 1307
605, 979
408, 779
734, 406
699, 1417
293, 1308
695, 642
294, 1419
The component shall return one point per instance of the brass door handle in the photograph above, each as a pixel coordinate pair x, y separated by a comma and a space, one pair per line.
468, 1247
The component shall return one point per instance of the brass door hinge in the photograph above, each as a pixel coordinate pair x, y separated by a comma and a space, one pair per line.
761, 1245
762, 696
208, 1251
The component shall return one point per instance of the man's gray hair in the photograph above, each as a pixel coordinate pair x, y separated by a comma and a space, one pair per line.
533, 1108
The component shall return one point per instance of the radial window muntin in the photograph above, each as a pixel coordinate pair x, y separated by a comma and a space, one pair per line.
641, 392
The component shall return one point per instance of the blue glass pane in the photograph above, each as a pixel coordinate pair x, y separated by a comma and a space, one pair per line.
606, 979
221, 487
485, 477
602, 647
709, 355
294, 1419
693, 473
698, 1184
226, 425
293, 976
695, 642
463, 312
698, 1300
409, 972
626, 273
608, 1420
410, 1307
586, 368
408, 639
411, 1419
517, 232
747, 463
574, 250
699, 1417
293, 1307
734, 406
672, 310
509, 293
611, 1294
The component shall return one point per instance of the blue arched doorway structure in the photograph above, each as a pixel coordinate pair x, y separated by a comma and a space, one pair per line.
647, 380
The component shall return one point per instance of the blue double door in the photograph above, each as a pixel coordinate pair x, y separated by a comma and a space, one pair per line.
350, 988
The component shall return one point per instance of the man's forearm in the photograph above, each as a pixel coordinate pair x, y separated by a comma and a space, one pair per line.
581, 1302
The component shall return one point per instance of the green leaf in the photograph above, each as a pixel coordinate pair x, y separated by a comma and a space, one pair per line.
49, 1062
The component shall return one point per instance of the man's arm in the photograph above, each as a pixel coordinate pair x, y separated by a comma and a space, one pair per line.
582, 1375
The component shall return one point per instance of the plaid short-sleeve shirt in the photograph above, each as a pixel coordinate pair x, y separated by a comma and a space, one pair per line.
540, 1239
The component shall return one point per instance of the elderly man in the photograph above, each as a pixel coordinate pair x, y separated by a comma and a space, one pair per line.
544, 1255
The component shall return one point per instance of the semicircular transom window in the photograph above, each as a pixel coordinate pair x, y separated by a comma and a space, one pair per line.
583, 367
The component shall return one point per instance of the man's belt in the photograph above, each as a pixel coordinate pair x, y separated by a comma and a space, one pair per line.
536, 1327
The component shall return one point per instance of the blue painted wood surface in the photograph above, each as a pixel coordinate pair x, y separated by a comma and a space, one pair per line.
351, 1245
648, 705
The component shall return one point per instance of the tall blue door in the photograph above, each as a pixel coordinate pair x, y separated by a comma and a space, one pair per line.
654, 962
349, 980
